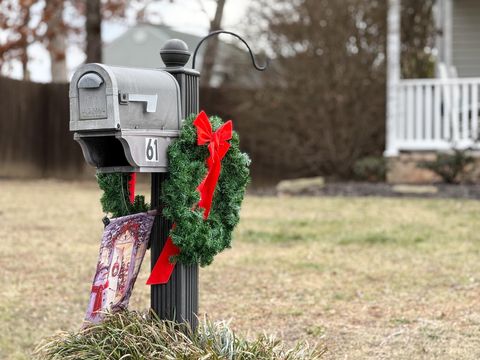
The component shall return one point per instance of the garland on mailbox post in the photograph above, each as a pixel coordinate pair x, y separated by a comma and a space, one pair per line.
118, 197
208, 175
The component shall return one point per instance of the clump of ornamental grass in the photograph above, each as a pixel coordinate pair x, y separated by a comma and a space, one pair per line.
133, 335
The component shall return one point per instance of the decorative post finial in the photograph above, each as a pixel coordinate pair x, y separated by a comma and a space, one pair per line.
175, 53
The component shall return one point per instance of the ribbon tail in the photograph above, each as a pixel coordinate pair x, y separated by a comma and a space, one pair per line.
208, 189
131, 187
163, 268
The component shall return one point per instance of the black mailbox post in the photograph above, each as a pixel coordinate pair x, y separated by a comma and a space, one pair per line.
178, 299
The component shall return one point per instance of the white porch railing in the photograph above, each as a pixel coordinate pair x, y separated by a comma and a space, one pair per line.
436, 114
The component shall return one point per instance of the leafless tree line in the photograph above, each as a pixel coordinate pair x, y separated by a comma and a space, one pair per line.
58, 23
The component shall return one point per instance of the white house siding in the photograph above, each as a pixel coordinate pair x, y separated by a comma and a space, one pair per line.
466, 37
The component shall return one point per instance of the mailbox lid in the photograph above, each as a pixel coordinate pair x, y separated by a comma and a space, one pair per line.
109, 97
149, 99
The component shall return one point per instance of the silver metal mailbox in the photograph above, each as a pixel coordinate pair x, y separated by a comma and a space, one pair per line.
124, 118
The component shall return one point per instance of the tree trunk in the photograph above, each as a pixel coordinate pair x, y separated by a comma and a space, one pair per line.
212, 45
24, 42
94, 34
24, 59
57, 40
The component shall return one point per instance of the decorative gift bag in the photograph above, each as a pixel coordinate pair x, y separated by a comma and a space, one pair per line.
122, 249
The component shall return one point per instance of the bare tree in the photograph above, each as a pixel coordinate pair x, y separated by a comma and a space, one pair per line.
418, 39
50, 29
96, 11
55, 37
212, 44
15, 16
22, 29
24, 34
322, 106
93, 28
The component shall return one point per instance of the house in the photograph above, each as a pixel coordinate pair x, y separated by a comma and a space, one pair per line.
425, 116
139, 47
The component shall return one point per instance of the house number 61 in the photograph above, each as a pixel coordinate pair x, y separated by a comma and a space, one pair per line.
151, 149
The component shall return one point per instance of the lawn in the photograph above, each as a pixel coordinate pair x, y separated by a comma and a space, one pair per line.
370, 278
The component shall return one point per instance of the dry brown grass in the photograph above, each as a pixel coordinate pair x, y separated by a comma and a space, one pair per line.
372, 278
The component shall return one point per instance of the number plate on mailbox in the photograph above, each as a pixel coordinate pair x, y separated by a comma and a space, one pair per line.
151, 149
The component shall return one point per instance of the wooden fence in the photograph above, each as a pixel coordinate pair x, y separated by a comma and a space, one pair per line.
35, 140
34, 137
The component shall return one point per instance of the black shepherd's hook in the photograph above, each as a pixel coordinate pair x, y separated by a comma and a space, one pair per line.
213, 33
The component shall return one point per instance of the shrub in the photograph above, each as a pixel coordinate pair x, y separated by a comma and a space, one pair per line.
449, 165
131, 335
371, 168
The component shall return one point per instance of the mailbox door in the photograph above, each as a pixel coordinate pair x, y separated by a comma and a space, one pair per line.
93, 99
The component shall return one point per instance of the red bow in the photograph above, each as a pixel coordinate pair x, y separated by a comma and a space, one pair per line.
98, 291
218, 147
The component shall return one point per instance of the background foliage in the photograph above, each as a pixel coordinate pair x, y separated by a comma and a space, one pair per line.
450, 165
319, 108
322, 106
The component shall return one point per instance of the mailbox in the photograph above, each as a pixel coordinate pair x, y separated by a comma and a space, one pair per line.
125, 118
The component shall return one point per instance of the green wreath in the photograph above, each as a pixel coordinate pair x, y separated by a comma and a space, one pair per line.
199, 240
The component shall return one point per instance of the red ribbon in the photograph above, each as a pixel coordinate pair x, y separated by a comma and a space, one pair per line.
131, 187
217, 147
98, 291
163, 268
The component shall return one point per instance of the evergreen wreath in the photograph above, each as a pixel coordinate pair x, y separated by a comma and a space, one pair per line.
201, 239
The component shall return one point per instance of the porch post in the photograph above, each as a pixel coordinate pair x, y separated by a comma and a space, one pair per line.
393, 74
447, 33
443, 41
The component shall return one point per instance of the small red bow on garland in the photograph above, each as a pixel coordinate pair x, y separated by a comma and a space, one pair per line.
217, 147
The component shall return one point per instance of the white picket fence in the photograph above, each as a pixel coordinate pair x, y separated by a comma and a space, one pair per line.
437, 114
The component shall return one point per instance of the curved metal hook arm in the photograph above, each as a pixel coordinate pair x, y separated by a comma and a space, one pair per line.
217, 32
